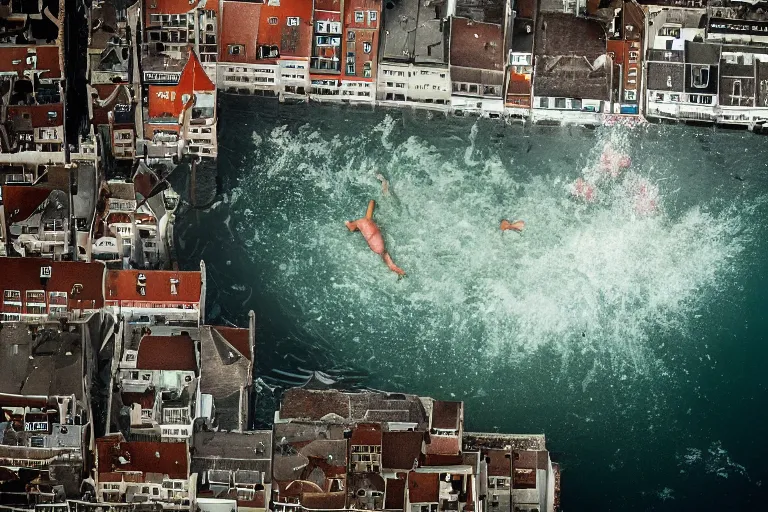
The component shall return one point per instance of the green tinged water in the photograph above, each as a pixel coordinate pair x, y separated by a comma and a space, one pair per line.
635, 341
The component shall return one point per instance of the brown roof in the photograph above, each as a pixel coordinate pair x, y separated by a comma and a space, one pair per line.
366, 434
14, 58
167, 353
39, 115
423, 487
525, 8
239, 338
395, 497
145, 399
565, 34
525, 459
239, 25
476, 45
446, 415
443, 460
20, 201
23, 274
499, 464
324, 501
147, 457
443, 445
313, 405
122, 285
400, 449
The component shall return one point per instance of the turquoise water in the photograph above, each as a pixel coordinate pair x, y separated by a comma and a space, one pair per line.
634, 339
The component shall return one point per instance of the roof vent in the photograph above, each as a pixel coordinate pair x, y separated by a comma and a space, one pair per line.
174, 286
141, 284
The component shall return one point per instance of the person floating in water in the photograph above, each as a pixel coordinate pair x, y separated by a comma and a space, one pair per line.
384, 183
517, 225
372, 235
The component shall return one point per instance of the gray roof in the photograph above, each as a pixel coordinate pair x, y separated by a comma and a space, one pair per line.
702, 53
230, 451
223, 372
414, 31
736, 70
522, 35
564, 34
47, 364
658, 73
666, 55
488, 11
570, 77
84, 203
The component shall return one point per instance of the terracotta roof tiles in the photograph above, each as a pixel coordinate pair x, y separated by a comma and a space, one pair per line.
366, 434
23, 274
239, 338
395, 497
122, 286
170, 459
313, 405
167, 353
400, 449
423, 487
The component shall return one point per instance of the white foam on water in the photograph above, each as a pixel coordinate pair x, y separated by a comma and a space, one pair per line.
596, 278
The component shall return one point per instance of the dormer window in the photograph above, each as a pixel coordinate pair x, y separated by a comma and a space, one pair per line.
700, 77
141, 284
292, 21
174, 286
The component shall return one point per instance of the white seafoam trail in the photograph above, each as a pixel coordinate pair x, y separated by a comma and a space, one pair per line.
584, 278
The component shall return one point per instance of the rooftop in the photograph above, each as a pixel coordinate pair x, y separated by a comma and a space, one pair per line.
565, 34
400, 450
488, 11
477, 45
446, 415
414, 31
123, 285
167, 353
44, 363
82, 282
170, 459
423, 487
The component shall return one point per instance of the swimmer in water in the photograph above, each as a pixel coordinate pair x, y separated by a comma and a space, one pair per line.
384, 183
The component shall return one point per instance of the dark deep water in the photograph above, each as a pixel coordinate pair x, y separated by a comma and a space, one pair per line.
635, 342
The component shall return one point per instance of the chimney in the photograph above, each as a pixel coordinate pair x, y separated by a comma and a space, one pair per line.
141, 284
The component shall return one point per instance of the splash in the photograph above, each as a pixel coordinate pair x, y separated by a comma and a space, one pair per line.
598, 277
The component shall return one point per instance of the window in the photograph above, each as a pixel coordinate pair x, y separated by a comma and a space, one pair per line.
700, 77
12, 296
272, 20
544, 102
52, 115
669, 31
372, 15
632, 72
367, 70
359, 16
559, 102
367, 47
736, 92
350, 35
630, 95
236, 49
292, 21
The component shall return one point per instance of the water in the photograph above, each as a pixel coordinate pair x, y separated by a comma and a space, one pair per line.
635, 339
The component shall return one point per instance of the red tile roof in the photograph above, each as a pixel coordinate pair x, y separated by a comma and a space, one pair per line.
446, 415
170, 459
350, 6
477, 45
122, 285
14, 58
38, 114
400, 449
23, 274
171, 7
443, 460
20, 202
324, 501
240, 339
313, 405
292, 41
366, 434
145, 399
193, 77
443, 445
423, 487
167, 353
168, 100
500, 464
395, 497
239, 25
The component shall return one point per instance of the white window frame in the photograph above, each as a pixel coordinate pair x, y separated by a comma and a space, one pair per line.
292, 21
